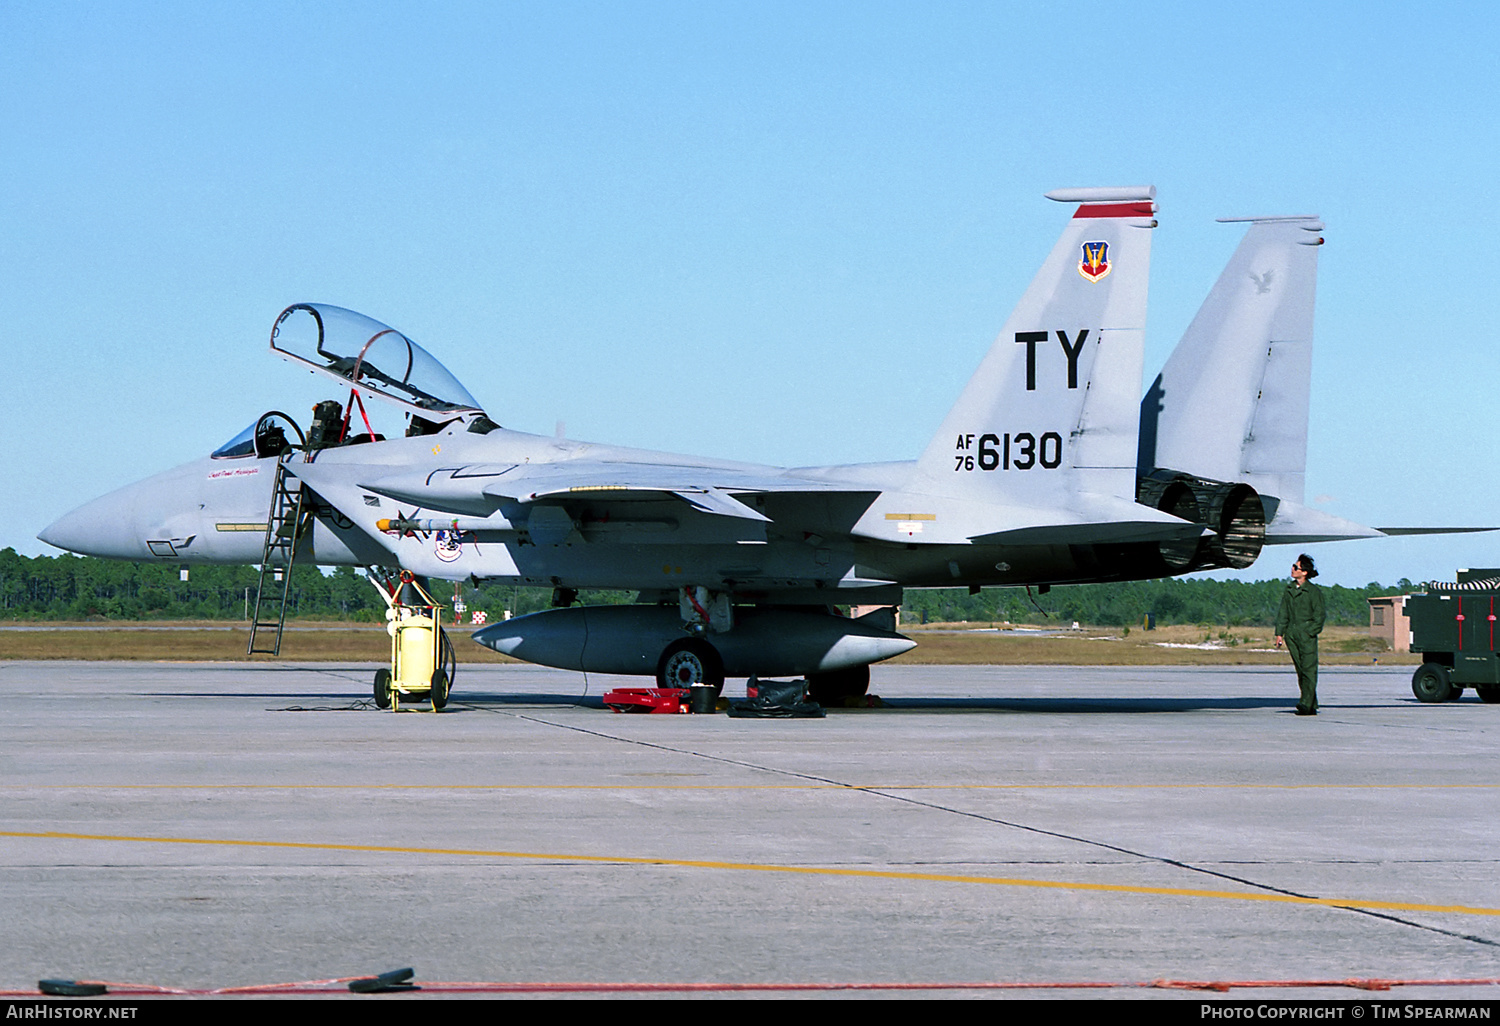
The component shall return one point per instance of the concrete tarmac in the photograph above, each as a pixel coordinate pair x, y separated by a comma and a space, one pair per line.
216, 825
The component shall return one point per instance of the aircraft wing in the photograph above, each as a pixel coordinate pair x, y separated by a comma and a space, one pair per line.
480, 489
706, 489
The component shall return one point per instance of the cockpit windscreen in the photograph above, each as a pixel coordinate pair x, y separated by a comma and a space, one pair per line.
361, 351
265, 437
242, 444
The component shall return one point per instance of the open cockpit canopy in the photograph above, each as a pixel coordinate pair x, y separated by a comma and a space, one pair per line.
377, 360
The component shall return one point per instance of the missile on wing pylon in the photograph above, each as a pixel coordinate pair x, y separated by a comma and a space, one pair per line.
405, 525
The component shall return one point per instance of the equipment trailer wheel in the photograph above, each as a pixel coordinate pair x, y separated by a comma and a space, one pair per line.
832, 688
439, 689
1489, 695
1430, 683
689, 662
383, 689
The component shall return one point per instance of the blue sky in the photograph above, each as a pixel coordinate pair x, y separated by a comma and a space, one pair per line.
775, 232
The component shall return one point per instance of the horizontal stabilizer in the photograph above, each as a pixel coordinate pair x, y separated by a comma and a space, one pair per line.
1398, 532
1296, 524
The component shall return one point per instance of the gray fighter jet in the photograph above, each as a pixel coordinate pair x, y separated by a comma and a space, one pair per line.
1037, 476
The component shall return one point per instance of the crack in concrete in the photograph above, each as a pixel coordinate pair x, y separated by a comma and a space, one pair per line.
937, 807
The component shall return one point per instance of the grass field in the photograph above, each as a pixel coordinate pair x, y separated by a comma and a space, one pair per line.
1166, 646
938, 644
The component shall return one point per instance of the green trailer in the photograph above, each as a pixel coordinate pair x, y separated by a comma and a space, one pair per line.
1454, 625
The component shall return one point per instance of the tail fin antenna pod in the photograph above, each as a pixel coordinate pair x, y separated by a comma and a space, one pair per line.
1053, 409
1231, 403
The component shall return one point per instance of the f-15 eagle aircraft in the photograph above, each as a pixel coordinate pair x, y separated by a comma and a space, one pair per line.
1035, 477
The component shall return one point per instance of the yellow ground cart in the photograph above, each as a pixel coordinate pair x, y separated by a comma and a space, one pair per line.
422, 659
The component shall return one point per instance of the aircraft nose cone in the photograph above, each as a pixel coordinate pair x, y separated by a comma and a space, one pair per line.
105, 527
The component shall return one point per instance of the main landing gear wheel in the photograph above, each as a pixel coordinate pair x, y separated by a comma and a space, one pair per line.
833, 687
689, 662
1430, 683
439, 689
383, 689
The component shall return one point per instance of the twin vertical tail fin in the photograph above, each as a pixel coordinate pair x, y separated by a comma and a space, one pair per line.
1052, 412
1231, 403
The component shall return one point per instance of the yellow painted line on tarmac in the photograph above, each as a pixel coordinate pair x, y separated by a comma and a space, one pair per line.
757, 867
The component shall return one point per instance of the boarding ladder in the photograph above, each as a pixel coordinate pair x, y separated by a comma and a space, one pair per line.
286, 522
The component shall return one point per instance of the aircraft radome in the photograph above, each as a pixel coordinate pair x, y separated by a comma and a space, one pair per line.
1040, 474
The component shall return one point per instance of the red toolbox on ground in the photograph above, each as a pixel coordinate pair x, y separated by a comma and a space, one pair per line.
647, 700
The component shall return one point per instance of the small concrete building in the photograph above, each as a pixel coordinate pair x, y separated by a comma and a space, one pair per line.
1388, 620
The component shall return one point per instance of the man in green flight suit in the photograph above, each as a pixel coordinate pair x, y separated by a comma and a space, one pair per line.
1299, 621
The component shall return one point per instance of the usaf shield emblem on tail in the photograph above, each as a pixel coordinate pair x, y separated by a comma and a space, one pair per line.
1095, 262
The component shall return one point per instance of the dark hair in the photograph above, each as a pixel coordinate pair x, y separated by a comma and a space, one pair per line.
1306, 562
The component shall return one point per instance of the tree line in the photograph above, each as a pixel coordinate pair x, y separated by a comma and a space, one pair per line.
1181, 600
68, 587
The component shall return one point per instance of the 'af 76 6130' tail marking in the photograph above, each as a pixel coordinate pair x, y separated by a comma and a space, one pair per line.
1020, 451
